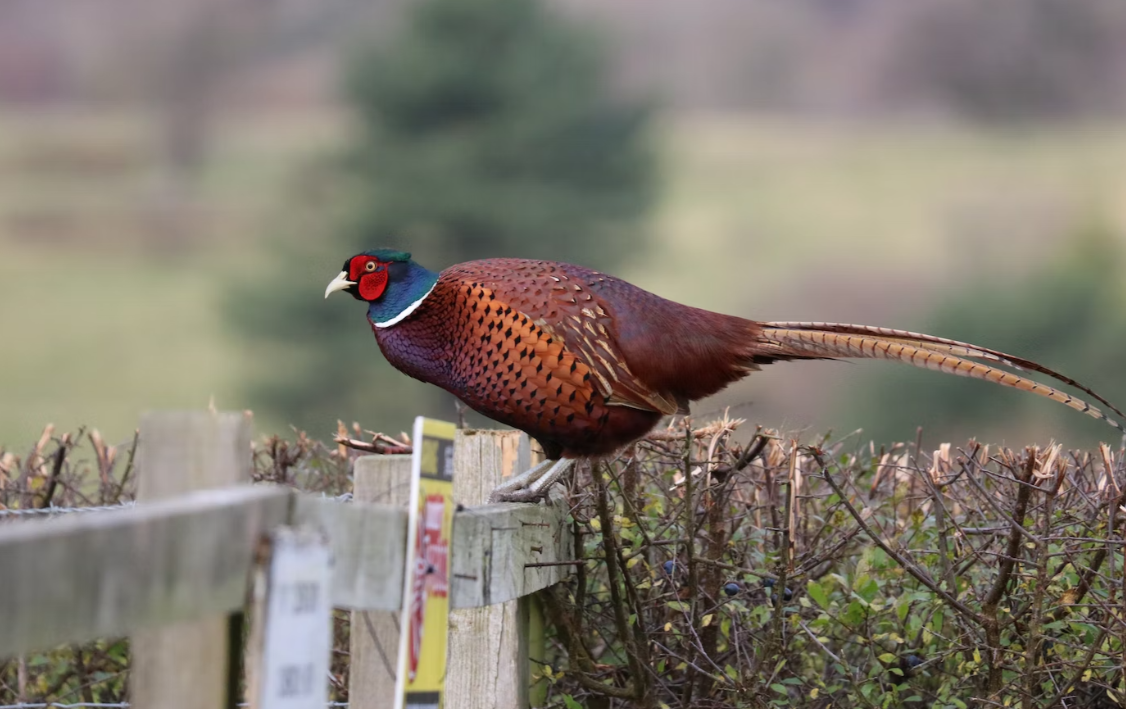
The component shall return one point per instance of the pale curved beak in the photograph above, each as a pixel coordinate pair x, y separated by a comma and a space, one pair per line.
341, 282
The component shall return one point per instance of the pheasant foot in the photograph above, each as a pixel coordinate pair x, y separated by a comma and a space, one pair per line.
532, 485
521, 481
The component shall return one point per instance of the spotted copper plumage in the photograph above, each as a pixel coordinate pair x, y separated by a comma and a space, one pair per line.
531, 344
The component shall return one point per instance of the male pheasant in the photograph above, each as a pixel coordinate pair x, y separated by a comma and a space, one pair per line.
586, 363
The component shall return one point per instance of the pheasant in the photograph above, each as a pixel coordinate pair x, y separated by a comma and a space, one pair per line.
586, 363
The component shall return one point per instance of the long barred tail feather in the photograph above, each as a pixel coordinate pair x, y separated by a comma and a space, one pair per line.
833, 340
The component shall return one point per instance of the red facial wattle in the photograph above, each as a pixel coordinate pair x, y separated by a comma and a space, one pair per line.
372, 285
370, 275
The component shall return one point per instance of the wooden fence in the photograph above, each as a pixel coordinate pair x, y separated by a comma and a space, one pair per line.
176, 571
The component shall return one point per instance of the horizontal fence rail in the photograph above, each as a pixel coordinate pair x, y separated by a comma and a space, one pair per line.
105, 574
110, 573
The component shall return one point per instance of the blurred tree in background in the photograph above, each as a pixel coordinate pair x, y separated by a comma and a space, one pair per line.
1068, 316
485, 128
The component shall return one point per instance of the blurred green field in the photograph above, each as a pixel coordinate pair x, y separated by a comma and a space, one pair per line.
786, 200
768, 218
100, 319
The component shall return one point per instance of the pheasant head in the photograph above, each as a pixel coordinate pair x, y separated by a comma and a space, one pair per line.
391, 284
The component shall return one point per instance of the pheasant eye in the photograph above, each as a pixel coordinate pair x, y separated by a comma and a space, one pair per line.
370, 266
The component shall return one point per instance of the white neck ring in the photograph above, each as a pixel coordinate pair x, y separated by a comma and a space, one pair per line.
407, 311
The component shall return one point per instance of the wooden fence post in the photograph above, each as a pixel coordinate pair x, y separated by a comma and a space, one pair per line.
375, 634
487, 665
189, 665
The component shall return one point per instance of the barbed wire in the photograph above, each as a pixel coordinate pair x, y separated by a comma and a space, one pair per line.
49, 511
117, 705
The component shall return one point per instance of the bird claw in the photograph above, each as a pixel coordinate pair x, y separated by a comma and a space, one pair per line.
525, 495
532, 485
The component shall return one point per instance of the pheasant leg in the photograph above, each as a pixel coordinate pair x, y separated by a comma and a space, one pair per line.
533, 485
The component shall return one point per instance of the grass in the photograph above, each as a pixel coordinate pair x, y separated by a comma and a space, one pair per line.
769, 219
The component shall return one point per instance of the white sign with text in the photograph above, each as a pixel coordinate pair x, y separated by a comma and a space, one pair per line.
297, 622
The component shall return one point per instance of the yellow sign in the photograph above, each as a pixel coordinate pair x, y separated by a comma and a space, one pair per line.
421, 675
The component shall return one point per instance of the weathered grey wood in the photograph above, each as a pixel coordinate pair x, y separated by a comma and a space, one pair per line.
188, 665
257, 614
375, 634
487, 655
487, 664
106, 574
494, 544
368, 543
184, 451
487, 457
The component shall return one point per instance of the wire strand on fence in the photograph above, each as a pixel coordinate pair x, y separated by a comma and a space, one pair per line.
49, 511
117, 705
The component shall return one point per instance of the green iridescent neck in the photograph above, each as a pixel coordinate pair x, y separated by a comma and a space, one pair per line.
409, 285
